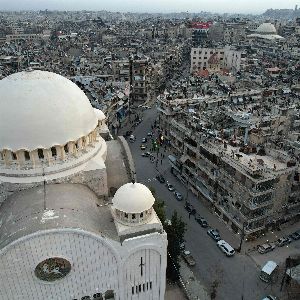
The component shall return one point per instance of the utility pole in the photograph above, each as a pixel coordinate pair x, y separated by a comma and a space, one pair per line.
242, 238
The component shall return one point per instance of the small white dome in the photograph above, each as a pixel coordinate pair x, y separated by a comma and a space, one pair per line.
266, 28
133, 198
41, 109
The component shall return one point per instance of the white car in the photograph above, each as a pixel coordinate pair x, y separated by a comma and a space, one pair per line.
226, 248
269, 297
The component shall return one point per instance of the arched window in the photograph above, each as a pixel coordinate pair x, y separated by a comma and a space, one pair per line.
53, 151
26, 155
40, 153
14, 156
126, 215
66, 148
133, 216
141, 215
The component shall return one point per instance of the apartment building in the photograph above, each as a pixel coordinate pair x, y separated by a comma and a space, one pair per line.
216, 59
251, 187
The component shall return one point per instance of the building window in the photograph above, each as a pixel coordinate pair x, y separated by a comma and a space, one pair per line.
66, 148
97, 296
1, 155
133, 216
14, 156
140, 287
40, 153
132, 290
126, 215
53, 151
150, 285
141, 215
143, 287
27, 156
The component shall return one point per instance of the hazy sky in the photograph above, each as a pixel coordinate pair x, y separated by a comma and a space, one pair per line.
239, 6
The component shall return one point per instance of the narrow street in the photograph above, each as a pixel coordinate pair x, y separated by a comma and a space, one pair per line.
238, 276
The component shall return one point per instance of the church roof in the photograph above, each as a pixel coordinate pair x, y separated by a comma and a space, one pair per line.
133, 198
41, 109
57, 206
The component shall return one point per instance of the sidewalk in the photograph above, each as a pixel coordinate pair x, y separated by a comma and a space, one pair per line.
192, 287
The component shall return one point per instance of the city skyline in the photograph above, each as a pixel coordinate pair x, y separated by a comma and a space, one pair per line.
154, 6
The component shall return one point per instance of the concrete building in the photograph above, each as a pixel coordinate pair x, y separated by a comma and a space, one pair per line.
215, 59
72, 225
247, 182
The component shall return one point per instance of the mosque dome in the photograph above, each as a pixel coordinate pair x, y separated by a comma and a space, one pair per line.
133, 198
266, 28
40, 109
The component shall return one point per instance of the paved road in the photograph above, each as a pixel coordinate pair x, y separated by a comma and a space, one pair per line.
238, 275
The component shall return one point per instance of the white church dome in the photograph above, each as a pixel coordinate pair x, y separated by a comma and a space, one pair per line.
100, 115
41, 109
133, 198
266, 28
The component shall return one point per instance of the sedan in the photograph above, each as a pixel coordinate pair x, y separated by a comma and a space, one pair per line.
190, 208
170, 187
265, 248
144, 140
149, 134
214, 234
226, 248
201, 221
178, 196
146, 154
283, 241
160, 178
143, 147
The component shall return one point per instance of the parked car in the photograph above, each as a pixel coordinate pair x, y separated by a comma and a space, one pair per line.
269, 297
149, 134
160, 178
295, 235
143, 147
132, 138
265, 248
128, 133
190, 208
146, 154
178, 196
201, 221
188, 258
225, 247
283, 241
170, 187
144, 140
214, 234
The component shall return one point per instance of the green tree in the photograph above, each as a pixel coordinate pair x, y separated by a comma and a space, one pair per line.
175, 229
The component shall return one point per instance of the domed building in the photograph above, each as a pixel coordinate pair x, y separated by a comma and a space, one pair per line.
266, 31
72, 224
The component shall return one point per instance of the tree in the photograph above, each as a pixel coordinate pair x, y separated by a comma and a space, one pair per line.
175, 229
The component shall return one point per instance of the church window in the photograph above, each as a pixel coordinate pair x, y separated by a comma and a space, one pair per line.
76, 145
14, 156
66, 148
52, 269
97, 296
126, 215
140, 287
132, 290
133, 216
141, 215
40, 153
143, 287
27, 156
150, 285
147, 286
53, 151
